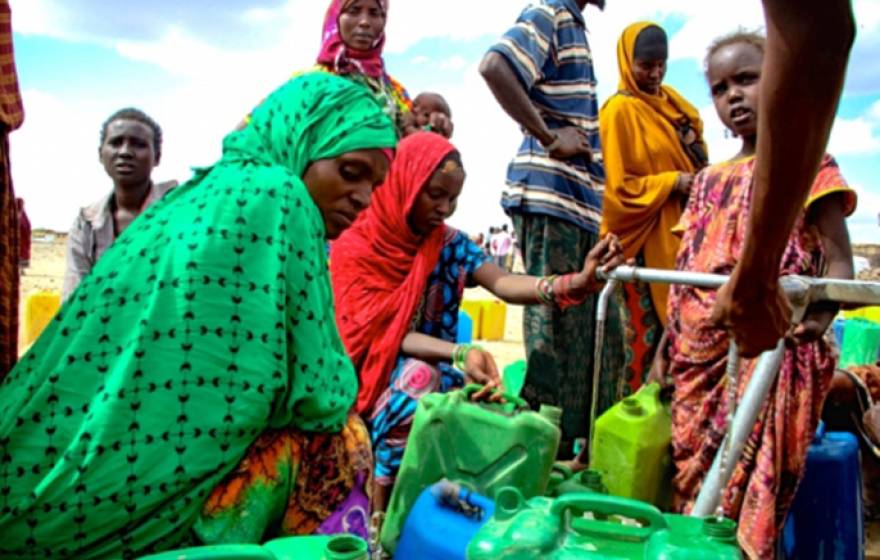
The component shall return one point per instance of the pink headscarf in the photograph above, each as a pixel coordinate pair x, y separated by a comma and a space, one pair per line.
340, 58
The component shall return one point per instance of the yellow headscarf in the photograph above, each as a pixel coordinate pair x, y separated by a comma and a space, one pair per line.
668, 102
644, 156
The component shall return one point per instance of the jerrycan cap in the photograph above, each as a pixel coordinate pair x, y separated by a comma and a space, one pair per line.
346, 547
508, 502
551, 413
633, 407
592, 479
719, 528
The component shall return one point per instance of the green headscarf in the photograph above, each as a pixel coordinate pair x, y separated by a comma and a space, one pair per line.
207, 322
315, 116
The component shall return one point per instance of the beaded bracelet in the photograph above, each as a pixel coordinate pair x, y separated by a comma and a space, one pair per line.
460, 353
544, 289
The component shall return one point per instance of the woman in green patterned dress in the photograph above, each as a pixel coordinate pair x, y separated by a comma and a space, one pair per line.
194, 387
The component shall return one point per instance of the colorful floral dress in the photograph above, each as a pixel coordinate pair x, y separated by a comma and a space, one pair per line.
764, 480
392, 415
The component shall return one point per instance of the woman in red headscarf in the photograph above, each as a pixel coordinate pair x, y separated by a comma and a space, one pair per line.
398, 278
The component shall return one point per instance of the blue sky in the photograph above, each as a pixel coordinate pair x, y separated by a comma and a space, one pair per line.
197, 66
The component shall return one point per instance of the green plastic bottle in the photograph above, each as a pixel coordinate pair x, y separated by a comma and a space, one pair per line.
482, 446
594, 526
318, 547
631, 447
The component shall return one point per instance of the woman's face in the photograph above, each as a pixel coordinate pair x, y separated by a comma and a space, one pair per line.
361, 24
343, 186
437, 200
649, 74
734, 75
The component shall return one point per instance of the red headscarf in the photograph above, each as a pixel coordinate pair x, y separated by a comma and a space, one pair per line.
380, 268
342, 59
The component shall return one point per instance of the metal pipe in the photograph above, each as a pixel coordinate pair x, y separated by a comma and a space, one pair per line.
746, 414
747, 411
598, 344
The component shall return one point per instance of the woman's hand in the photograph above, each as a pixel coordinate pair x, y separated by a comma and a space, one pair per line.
480, 368
659, 372
683, 184
605, 256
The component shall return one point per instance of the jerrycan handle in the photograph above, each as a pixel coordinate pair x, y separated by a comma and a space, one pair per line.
610, 505
518, 403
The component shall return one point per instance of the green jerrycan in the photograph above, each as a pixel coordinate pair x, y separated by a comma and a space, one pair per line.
631, 447
318, 547
572, 527
483, 446
694, 538
562, 482
594, 526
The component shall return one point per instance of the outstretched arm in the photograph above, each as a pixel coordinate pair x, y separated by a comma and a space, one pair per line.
800, 89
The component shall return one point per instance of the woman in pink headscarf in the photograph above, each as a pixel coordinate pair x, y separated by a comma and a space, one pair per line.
351, 47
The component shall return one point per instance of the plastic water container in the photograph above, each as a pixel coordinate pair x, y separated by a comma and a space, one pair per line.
826, 519
483, 446
474, 309
465, 329
514, 377
838, 326
631, 447
336, 547
563, 481
442, 523
40, 308
494, 320
861, 343
591, 525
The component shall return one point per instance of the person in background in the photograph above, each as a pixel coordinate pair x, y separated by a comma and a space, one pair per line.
194, 388
751, 306
554, 197
131, 147
765, 478
399, 276
504, 248
24, 226
652, 141
11, 117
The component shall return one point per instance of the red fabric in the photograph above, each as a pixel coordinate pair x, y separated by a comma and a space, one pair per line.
343, 60
380, 268
24, 225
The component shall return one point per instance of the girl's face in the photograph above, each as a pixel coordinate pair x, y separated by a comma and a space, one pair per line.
361, 24
734, 76
437, 200
342, 187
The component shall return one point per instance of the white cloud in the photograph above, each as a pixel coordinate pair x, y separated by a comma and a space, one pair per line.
863, 224
454, 63
859, 136
214, 84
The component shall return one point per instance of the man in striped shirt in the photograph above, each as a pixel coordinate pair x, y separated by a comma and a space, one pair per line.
541, 73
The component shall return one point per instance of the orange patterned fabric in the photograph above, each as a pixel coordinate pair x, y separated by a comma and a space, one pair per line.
764, 480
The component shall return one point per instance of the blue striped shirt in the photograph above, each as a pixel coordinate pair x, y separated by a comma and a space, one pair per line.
548, 51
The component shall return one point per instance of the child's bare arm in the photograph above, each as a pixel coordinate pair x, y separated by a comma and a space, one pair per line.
829, 218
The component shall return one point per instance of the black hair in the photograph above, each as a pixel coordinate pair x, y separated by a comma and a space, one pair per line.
744, 36
651, 44
130, 113
453, 156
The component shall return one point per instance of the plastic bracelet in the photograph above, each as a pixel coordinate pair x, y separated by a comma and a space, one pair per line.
557, 141
563, 293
